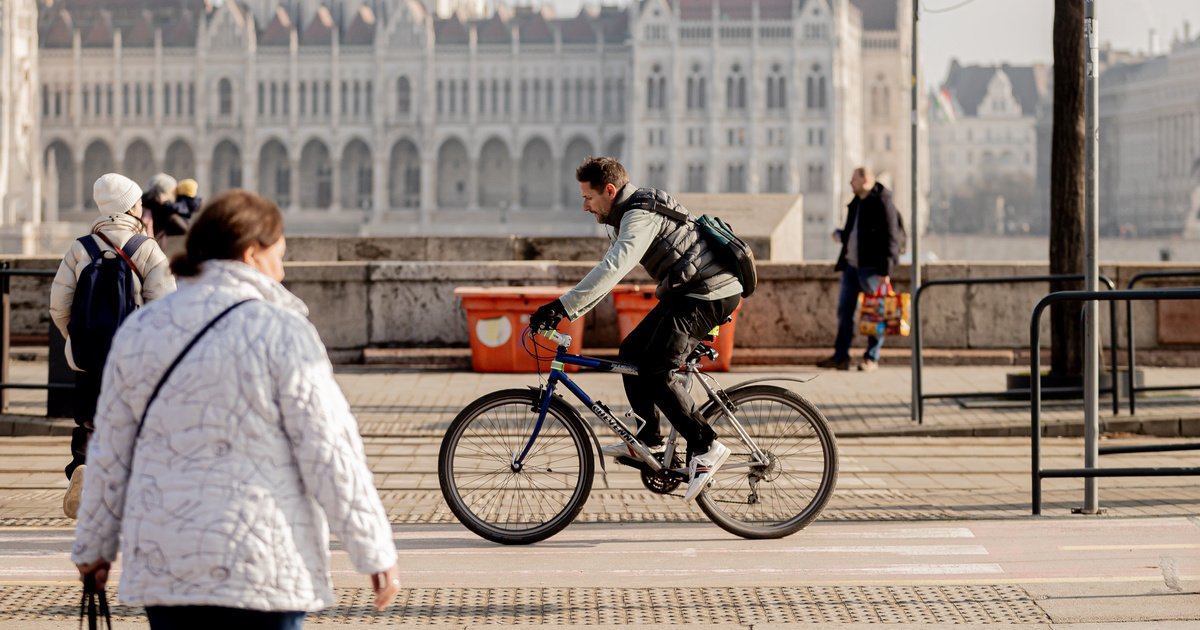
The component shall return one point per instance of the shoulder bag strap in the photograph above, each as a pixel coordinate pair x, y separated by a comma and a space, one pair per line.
122, 254
90, 246
162, 381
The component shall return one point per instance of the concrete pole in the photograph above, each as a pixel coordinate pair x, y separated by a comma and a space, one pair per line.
1091, 318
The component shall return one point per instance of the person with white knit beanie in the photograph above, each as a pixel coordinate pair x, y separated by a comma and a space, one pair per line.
119, 201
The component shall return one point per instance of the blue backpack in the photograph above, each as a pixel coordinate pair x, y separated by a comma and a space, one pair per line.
104, 297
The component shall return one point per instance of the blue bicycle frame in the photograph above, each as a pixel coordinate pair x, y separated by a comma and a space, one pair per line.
561, 359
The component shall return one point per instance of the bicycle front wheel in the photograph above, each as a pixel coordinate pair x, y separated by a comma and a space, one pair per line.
784, 495
502, 502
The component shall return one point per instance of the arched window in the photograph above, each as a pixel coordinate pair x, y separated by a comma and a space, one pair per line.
225, 97
815, 89
696, 90
656, 89
735, 89
403, 96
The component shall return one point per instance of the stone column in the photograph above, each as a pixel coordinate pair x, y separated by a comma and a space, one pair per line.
379, 191
294, 183
473, 183
516, 183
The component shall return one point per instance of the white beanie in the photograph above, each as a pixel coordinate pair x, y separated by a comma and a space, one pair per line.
115, 194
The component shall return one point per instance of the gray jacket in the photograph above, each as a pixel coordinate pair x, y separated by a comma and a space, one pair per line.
672, 250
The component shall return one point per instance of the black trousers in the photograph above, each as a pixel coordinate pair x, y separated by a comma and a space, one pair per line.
658, 346
87, 393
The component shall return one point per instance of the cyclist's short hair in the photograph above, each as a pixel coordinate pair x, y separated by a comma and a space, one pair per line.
602, 171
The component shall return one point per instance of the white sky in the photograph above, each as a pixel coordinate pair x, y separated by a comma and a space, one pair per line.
1019, 31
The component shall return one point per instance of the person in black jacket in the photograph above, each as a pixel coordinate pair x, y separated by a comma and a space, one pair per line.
872, 240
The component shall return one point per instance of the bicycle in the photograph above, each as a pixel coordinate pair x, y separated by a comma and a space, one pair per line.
516, 465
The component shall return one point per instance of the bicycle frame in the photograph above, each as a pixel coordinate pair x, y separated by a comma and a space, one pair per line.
561, 359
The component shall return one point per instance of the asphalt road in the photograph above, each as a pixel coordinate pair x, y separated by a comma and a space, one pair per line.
1134, 572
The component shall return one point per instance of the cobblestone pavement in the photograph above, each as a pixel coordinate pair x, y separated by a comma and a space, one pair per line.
889, 471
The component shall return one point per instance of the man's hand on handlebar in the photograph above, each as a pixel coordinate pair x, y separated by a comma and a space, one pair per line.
547, 316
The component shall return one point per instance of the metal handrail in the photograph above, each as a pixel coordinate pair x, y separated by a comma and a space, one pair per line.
918, 395
1035, 368
1133, 389
6, 271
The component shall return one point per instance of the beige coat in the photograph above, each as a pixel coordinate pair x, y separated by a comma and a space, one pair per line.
149, 259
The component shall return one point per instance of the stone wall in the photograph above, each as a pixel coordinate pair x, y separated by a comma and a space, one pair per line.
356, 304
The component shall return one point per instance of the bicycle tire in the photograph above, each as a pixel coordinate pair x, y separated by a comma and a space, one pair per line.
795, 488
487, 495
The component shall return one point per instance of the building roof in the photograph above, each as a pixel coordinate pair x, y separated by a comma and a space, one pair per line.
495, 30
320, 30
362, 29
100, 34
450, 31
968, 85
182, 34
61, 33
533, 27
142, 33
877, 15
775, 9
614, 22
279, 30
578, 30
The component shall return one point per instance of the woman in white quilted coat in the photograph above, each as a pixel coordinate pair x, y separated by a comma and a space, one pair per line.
248, 455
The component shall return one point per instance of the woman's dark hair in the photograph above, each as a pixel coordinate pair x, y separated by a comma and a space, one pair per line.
226, 227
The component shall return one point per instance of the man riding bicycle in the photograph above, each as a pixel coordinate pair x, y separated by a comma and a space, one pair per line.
697, 291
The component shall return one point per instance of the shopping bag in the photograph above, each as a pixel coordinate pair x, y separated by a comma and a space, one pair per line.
884, 313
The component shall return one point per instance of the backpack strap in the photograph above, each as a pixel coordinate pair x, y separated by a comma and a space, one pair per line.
89, 245
126, 256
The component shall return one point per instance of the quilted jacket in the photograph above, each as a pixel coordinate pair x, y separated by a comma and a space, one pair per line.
149, 259
248, 457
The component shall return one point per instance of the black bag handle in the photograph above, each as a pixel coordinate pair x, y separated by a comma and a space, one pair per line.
162, 381
87, 606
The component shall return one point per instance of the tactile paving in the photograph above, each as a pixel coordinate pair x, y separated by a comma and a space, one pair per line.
940, 604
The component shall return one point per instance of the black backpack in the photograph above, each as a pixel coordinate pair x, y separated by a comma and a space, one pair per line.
104, 297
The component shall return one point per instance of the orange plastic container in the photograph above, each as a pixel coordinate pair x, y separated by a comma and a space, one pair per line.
634, 301
497, 318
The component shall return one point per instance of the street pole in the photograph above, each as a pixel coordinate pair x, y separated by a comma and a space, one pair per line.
914, 225
1091, 233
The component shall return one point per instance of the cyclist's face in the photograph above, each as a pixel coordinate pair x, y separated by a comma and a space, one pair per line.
598, 202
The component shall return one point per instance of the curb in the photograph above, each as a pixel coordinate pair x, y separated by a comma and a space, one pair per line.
17, 425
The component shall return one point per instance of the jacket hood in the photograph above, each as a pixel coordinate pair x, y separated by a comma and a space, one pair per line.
245, 282
117, 221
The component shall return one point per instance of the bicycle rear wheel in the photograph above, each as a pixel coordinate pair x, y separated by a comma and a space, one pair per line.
478, 480
784, 496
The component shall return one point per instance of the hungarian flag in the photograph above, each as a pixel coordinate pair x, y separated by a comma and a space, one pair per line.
945, 105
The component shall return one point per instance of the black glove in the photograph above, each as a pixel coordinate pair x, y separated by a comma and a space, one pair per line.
547, 316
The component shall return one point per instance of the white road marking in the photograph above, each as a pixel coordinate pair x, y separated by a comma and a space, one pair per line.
925, 569
902, 550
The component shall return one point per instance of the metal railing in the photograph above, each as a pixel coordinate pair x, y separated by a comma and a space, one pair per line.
918, 395
6, 272
1035, 368
1133, 387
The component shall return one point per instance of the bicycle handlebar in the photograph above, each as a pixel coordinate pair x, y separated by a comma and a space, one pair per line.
557, 337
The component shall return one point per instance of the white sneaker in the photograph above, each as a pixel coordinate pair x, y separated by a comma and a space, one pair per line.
74, 492
621, 449
703, 467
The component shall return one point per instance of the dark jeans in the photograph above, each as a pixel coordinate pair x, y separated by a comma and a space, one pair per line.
217, 617
854, 281
87, 393
658, 346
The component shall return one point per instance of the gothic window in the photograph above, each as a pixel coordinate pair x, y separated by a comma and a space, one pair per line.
735, 178
816, 177
453, 96
303, 97
440, 97
735, 89
696, 90
697, 178
225, 97
815, 89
